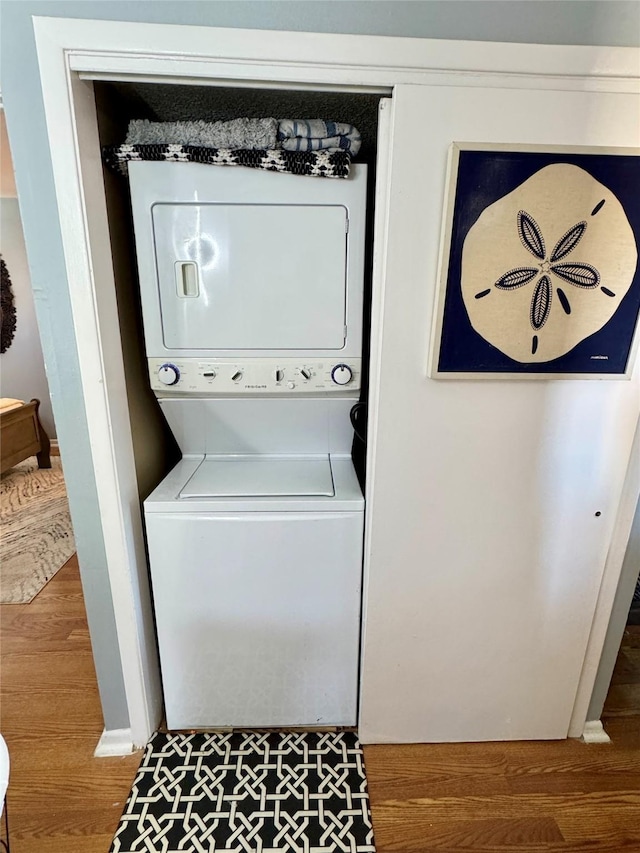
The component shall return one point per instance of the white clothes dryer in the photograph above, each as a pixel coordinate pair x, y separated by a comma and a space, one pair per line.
251, 281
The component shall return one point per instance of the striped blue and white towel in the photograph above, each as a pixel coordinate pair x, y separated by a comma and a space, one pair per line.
318, 135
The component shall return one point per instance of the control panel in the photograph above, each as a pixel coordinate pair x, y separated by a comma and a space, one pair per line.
254, 376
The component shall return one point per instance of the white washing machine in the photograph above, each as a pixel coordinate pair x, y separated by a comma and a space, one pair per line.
251, 288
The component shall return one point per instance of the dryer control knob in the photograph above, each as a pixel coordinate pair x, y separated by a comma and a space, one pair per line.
342, 374
237, 376
168, 374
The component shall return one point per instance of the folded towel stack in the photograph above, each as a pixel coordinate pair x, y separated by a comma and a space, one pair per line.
299, 146
317, 135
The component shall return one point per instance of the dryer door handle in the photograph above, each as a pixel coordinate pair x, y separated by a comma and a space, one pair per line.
187, 279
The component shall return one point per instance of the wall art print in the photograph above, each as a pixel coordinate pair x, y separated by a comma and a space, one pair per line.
540, 273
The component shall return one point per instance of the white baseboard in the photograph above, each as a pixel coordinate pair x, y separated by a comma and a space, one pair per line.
114, 742
594, 732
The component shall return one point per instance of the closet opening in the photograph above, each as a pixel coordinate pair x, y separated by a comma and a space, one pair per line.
314, 535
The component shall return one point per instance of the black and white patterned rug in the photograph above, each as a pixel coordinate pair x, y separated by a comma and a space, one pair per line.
251, 792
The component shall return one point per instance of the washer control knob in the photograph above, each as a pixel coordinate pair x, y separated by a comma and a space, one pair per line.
279, 375
305, 372
342, 374
168, 374
291, 385
237, 376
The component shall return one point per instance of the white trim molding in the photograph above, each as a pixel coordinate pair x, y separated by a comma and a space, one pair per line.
72, 124
160, 52
594, 732
71, 52
113, 743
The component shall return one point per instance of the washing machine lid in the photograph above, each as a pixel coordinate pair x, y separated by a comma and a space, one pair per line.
260, 476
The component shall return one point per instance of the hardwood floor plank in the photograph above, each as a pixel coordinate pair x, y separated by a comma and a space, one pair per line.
521, 805
583, 766
43, 626
75, 788
435, 769
91, 826
477, 835
72, 844
587, 783
614, 824
583, 846
412, 825
72, 643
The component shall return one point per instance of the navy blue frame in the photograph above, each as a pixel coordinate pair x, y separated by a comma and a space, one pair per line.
482, 178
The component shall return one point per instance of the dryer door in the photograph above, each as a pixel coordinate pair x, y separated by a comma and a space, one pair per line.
251, 276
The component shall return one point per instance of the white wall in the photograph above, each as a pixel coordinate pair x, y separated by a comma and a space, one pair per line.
22, 366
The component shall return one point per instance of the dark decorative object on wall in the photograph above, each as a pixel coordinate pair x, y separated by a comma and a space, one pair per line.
539, 275
7, 309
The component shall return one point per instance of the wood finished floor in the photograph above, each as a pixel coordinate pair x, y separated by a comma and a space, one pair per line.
489, 798
61, 799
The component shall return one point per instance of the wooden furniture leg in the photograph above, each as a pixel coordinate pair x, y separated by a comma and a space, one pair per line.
44, 456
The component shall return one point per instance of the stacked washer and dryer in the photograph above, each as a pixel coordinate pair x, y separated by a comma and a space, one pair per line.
252, 286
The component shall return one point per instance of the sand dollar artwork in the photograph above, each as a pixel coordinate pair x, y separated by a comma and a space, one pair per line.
547, 265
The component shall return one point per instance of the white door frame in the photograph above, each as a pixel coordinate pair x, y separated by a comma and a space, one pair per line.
71, 51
